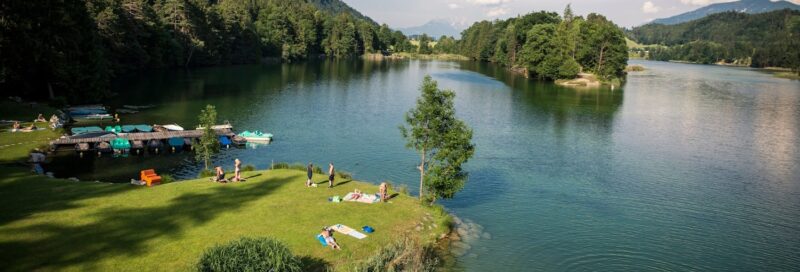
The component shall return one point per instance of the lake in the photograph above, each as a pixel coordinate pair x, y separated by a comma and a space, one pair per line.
685, 167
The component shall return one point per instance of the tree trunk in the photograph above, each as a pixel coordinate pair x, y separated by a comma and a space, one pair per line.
421, 174
50, 91
600, 61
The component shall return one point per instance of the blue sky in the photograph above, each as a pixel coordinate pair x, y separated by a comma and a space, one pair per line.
407, 13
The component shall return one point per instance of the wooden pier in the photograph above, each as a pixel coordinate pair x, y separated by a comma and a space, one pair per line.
137, 136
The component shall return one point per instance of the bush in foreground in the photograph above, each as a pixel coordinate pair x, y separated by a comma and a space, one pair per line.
249, 254
403, 255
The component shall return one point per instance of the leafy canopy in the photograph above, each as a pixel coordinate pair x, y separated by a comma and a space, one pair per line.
208, 144
442, 140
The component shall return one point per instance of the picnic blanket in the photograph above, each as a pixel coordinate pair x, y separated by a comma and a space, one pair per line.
364, 198
349, 231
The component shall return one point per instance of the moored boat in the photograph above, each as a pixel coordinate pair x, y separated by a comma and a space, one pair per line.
81, 148
121, 145
135, 107
137, 146
176, 143
92, 117
84, 130
256, 136
173, 127
187, 142
103, 147
155, 145
225, 141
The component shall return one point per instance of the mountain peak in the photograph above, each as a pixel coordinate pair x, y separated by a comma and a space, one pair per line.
745, 6
436, 28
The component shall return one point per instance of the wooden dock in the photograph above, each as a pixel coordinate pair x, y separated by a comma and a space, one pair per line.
138, 136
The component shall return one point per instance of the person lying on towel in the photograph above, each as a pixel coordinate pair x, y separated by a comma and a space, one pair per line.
328, 235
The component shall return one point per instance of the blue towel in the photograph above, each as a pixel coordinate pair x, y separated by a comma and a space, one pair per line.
322, 240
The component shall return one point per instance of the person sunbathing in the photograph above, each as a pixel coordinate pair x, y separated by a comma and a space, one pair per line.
30, 128
15, 127
356, 194
328, 235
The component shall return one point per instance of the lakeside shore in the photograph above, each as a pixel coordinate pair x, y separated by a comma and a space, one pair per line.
95, 225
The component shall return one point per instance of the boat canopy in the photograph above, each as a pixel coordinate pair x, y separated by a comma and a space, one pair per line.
120, 143
82, 130
116, 129
175, 141
224, 140
144, 128
255, 134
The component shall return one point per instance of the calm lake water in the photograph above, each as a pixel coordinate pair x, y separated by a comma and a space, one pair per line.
686, 167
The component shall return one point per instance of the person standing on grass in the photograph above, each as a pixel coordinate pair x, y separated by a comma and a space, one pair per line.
310, 172
237, 168
383, 190
331, 173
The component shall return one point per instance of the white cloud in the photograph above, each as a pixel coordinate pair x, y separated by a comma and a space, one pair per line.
703, 2
649, 7
494, 12
489, 2
453, 6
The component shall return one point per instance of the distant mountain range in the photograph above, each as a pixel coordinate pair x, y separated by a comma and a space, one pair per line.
744, 6
435, 29
337, 6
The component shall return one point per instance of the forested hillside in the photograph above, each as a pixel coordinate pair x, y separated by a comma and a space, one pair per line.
548, 46
756, 40
72, 49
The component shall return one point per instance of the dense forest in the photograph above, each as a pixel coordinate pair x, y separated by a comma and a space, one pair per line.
758, 40
547, 46
71, 49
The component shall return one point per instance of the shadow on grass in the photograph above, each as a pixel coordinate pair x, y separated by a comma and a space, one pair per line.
342, 182
122, 231
314, 264
23, 194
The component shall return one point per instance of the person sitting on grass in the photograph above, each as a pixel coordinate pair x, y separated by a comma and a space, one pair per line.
383, 190
328, 235
40, 118
220, 174
15, 127
54, 121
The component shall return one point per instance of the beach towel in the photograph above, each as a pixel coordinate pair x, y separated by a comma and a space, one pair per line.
322, 240
364, 198
349, 231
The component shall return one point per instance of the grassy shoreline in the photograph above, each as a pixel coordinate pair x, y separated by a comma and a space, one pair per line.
406, 55
57, 224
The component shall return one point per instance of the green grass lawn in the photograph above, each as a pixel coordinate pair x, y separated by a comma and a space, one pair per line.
15, 146
54, 224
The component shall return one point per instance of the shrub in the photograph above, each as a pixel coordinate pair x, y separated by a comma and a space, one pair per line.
205, 173
280, 165
248, 167
403, 189
167, 178
344, 175
403, 255
249, 254
296, 166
